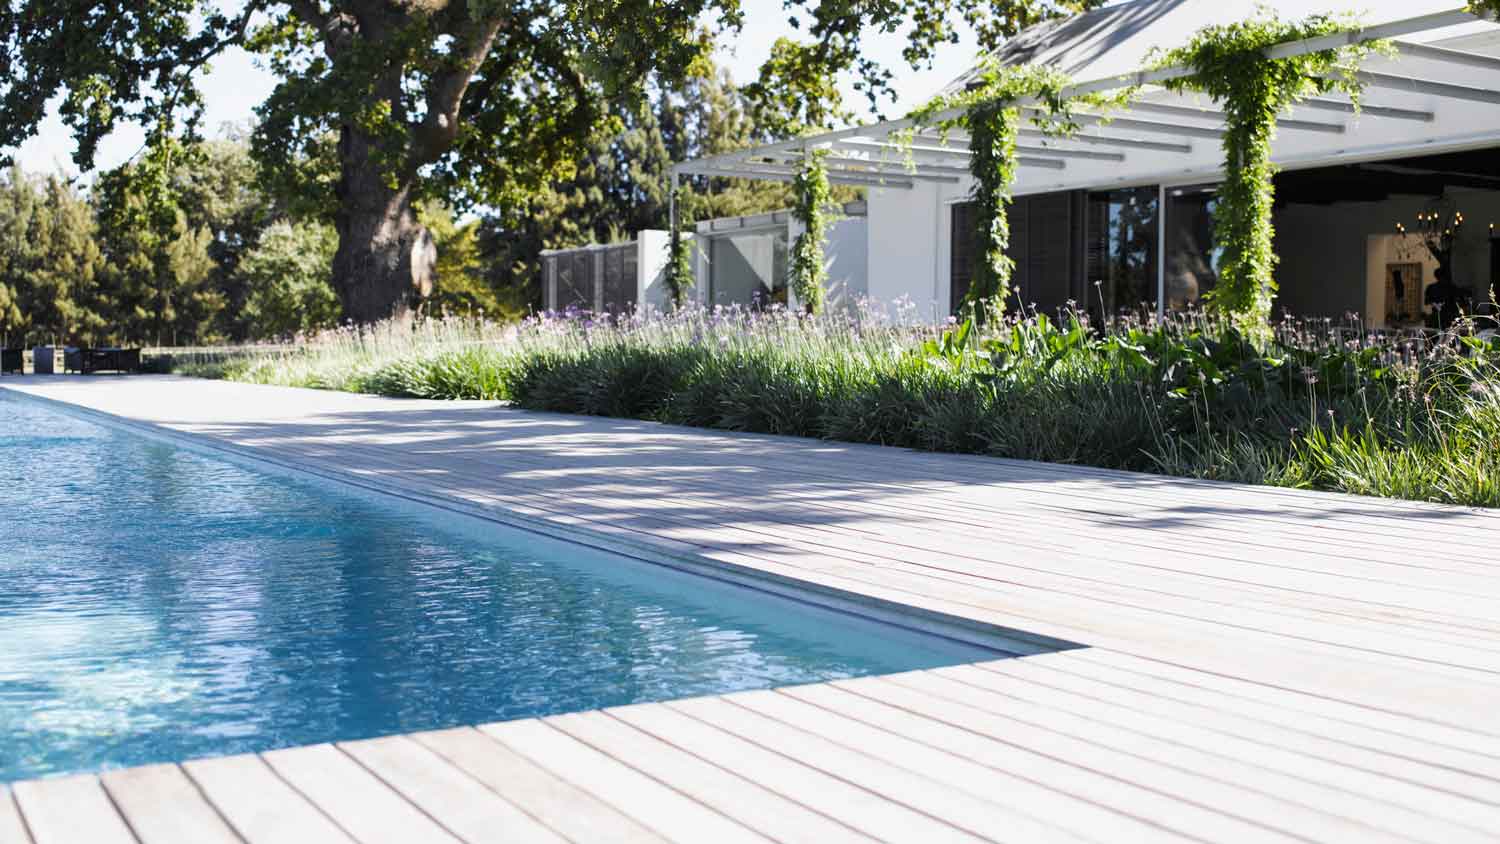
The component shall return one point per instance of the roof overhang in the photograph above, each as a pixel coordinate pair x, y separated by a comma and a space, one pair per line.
1439, 92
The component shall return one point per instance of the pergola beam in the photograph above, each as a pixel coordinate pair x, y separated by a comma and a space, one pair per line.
1149, 126
782, 174
865, 167
1201, 113
1367, 109
1157, 76
964, 153
1412, 85
1448, 55
1111, 140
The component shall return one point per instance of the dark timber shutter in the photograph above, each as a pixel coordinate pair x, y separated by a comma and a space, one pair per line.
961, 255
1047, 243
1055, 264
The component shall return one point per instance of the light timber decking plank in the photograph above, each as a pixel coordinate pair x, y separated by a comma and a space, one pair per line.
163, 806
1482, 660
471, 811
736, 797
860, 808
69, 810
1257, 664
12, 828
1188, 805
970, 818
1342, 791
659, 807
1029, 780
1473, 747
261, 806
1324, 739
371, 811
562, 806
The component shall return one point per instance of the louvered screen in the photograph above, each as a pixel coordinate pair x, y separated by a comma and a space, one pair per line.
619, 278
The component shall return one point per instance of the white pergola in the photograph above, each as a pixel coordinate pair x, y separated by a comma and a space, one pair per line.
1439, 92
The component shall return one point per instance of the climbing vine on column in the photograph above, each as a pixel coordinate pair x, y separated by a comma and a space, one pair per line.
807, 271
990, 110
680, 276
1485, 8
1230, 63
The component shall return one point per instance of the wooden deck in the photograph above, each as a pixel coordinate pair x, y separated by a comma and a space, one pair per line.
1253, 664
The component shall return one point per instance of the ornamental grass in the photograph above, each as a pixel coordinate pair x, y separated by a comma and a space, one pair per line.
1322, 404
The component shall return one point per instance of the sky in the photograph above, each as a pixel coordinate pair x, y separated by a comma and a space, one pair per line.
236, 84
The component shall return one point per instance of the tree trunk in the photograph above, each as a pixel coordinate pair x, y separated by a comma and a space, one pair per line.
384, 264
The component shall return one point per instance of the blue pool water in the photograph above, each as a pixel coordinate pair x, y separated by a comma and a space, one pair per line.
159, 604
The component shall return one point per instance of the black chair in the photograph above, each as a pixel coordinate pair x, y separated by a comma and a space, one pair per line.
12, 361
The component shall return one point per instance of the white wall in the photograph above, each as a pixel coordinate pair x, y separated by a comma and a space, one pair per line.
846, 257
654, 248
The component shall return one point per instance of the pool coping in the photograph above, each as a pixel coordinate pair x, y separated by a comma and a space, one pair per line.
1004, 641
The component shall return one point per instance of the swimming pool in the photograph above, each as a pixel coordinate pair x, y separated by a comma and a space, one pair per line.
157, 603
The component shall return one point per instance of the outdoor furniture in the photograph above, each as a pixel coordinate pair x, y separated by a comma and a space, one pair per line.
12, 361
109, 360
72, 359
43, 360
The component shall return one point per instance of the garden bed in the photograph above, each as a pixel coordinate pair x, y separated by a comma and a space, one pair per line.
1320, 406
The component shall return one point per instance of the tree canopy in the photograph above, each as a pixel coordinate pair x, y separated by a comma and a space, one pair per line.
467, 101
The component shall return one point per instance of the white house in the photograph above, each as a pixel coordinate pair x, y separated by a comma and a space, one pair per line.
1119, 214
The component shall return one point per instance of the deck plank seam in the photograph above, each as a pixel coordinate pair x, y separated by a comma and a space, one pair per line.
562, 775
1022, 775
910, 805
1271, 727
26, 830
401, 795
1284, 704
1308, 639
1068, 694
1191, 574
717, 764
938, 698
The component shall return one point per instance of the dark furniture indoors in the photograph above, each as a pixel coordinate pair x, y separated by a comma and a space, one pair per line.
109, 360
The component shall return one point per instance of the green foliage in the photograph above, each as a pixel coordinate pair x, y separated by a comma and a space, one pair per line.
1193, 396
680, 275
1486, 8
287, 275
1230, 63
459, 285
381, 105
50, 265
807, 271
622, 184
990, 110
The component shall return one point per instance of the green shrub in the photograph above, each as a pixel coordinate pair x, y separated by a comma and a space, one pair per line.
1316, 407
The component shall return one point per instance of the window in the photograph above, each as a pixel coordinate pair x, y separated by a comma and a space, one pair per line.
1193, 261
1121, 243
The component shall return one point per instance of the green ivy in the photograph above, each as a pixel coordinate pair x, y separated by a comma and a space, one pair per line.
991, 114
807, 272
679, 254
1229, 63
1485, 8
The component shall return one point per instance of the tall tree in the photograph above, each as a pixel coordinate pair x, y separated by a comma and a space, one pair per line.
621, 183
478, 101
49, 262
18, 199
285, 276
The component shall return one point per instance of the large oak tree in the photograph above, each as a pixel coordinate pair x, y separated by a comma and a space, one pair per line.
471, 101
